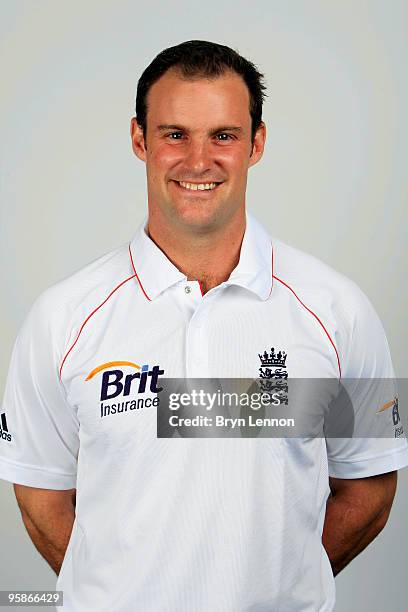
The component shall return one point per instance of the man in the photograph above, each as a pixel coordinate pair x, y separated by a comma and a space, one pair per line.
131, 521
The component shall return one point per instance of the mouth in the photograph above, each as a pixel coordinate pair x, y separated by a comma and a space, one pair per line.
201, 189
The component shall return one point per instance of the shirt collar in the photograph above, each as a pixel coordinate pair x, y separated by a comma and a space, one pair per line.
254, 269
156, 273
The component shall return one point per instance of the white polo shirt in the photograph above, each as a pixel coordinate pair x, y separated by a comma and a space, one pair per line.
189, 524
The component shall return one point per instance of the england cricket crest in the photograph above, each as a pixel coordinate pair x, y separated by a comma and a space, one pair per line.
273, 373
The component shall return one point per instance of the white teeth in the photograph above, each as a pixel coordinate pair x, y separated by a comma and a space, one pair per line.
198, 186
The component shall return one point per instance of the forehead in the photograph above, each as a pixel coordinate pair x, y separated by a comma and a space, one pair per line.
173, 99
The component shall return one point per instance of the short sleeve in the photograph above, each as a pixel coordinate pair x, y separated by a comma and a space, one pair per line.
378, 444
39, 440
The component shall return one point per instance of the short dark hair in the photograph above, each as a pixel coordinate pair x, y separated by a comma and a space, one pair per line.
201, 58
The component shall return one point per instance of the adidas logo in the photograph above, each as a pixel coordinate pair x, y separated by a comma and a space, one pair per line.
4, 434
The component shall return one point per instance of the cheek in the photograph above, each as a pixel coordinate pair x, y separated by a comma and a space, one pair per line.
237, 170
235, 161
164, 157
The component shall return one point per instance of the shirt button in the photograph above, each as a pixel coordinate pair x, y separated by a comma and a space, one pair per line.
187, 289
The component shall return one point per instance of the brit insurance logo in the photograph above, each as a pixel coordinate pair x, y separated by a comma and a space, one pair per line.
4, 432
127, 389
396, 419
273, 373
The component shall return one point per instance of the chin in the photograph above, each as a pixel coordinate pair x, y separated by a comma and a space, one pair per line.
197, 217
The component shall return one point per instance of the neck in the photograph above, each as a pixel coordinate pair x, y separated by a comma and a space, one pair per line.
208, 257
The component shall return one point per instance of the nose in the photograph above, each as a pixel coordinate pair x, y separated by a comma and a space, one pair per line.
198, 157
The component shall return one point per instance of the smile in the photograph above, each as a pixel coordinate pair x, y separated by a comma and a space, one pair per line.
197, 186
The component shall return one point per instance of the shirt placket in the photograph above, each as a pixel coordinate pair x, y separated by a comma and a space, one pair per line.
197, 357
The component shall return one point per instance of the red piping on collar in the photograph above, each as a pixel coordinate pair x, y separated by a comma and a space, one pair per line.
137, 276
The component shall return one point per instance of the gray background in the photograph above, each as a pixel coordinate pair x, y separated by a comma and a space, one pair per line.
332, 182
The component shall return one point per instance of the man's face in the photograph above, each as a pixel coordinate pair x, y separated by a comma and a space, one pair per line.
197, 132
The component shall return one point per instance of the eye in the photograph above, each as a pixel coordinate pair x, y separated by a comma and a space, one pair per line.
229, 136
174, 133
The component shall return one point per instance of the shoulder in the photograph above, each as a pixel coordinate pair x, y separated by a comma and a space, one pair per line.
341, 305
308, 272
57, 311
311, 277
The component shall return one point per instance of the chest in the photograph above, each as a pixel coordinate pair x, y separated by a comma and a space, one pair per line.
115, 370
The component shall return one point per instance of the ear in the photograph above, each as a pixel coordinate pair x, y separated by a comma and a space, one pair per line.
138, 143
259, 145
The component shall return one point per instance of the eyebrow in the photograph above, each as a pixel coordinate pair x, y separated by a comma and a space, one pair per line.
223, 128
